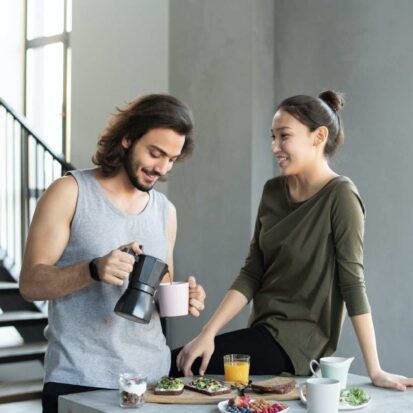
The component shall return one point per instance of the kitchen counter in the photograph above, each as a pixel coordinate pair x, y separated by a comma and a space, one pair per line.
107, 401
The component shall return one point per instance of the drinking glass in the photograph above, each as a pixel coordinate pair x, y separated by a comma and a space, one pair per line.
237, 368
132, 387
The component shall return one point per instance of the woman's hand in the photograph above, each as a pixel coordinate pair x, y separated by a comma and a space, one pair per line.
201, 346
363, 326
196, 297
391, 381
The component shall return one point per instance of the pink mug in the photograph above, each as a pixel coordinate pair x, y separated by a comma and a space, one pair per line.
173, 299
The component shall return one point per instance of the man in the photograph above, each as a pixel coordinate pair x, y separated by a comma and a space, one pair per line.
73, 254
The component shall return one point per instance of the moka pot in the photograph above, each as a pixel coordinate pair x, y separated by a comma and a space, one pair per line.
137, 302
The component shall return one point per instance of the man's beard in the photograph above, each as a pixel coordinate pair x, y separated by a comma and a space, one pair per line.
134, 180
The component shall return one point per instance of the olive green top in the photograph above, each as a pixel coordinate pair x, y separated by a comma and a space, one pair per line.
305, 262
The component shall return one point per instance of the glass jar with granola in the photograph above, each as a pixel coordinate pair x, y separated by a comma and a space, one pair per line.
132, 387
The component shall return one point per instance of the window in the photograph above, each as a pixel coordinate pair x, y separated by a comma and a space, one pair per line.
47, 88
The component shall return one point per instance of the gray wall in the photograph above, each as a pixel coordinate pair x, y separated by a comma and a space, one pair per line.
222, 64
364, 49
232, 61
119, 51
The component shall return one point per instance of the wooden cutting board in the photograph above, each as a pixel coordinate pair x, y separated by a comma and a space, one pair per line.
191, 397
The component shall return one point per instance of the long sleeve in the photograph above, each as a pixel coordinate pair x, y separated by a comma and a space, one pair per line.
348, 218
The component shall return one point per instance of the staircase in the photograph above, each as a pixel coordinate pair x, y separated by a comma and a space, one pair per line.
27, 168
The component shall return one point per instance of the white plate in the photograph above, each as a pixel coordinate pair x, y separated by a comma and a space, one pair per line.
222, 406
346, 406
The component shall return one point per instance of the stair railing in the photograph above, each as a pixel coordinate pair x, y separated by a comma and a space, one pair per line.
27, 167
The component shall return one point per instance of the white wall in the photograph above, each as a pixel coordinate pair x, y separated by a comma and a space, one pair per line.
12, 52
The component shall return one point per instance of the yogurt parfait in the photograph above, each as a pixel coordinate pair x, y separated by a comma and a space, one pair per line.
132, 387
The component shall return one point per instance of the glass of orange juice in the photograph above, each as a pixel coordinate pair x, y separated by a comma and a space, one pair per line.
237, 368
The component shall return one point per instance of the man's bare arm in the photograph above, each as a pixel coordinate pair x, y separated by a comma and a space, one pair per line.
48, 236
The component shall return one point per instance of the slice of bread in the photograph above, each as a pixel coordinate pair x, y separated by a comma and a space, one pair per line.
168, 386
209, 386
208, 392
164, 392
279, 385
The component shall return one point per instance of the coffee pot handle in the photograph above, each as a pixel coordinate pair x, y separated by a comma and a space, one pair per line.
130, 251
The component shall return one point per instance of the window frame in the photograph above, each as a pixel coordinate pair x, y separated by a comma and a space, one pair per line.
42, 41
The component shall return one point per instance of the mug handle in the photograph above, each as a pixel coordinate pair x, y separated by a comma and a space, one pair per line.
302, 396
312, 368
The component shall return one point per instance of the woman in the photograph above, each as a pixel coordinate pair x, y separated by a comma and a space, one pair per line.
305, 261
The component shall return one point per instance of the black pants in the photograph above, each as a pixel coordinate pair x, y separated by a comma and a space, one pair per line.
51, 392
267, 356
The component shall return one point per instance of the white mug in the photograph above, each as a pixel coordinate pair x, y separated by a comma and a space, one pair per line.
323, 395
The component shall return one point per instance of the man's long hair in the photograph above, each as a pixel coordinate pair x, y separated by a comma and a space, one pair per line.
135, 120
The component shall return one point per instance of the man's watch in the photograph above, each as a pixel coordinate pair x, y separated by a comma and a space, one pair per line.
93, 269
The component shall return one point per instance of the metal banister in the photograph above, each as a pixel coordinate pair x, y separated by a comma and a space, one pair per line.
27, 167
23, 123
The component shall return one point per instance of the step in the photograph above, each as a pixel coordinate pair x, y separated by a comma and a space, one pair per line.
22, 390
7, 264
8, 287
21, 318
27, 351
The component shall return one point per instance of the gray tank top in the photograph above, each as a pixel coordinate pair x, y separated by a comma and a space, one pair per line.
88, 344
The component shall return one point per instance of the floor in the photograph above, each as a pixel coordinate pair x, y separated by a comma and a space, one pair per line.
30, 406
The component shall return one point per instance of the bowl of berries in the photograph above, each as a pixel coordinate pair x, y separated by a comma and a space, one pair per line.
244, 404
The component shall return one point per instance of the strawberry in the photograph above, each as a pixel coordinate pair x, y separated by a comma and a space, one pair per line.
277, 407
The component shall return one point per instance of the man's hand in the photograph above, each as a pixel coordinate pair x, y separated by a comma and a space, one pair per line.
114, 268
196, 297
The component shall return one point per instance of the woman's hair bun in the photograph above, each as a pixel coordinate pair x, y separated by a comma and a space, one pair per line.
333, 99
